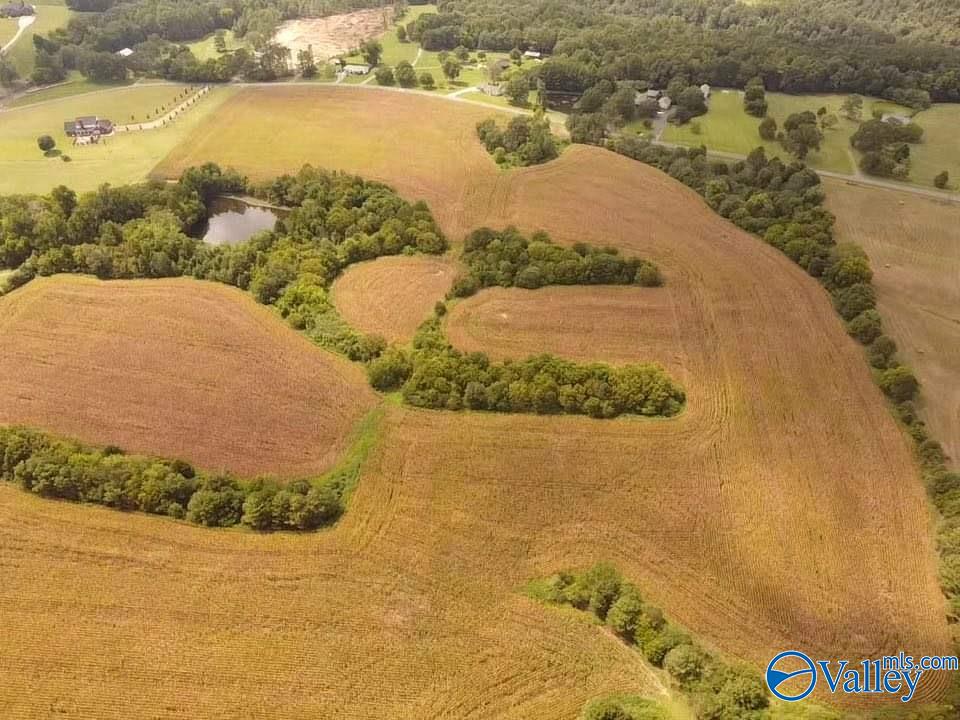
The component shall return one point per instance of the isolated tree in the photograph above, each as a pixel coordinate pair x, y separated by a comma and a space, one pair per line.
768, 128
942, 180
516, 56
401, 33
518, 90
405, 74
801, 134
755, 98
427, 82
46, 143
451, 68
372, 51
461, 53
852, 108
308, 67
385, 76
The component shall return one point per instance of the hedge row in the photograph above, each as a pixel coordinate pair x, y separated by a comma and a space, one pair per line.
55, 468
508, 259
437, 376
715, 688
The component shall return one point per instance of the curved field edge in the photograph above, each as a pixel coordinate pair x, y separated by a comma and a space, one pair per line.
180, 368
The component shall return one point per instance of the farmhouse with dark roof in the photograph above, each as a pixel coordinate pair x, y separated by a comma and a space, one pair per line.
87, 127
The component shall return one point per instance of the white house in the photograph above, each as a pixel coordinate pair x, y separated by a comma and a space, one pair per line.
353, 69
533, 55
125, 53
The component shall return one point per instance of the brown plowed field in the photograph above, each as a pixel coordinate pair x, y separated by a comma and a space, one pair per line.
392, 296
914, 246
177, 368
781, 510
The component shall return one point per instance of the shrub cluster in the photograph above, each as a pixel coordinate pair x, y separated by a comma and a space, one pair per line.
716, 689
55, 468
525, 141
440, 377
508, 259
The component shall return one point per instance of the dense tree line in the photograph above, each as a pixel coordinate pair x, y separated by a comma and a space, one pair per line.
54, 468
508, 259
524, 141
716, 689
792, 47
438, 376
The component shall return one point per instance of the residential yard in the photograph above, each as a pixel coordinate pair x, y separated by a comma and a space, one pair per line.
206, 49
121, 159
49, 17
728, 128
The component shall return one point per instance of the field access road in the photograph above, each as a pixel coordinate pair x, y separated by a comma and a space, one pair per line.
22, 24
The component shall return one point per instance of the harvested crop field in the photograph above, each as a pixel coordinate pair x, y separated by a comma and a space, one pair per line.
618, 325
333, 35
782, 509
913, 246
175, 368
392, 296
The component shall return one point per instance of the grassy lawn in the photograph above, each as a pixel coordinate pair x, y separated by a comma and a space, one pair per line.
395, 51
727, 128
206, 50
49, 17
76, 85
939, 150
8, 28
122, 159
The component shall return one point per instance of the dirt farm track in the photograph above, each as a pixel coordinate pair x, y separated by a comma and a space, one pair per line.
782, 509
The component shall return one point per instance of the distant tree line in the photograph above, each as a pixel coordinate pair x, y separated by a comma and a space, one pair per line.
793, 47
55, 468
508, 259
714, 687
156, 31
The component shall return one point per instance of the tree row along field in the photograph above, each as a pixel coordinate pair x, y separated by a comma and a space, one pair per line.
765, 516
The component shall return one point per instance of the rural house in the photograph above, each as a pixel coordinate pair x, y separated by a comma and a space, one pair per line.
533, 55
125, 53
89, 126
356, 69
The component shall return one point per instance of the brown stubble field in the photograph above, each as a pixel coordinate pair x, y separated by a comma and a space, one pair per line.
781, 510
392, 296
914, 245
178, 368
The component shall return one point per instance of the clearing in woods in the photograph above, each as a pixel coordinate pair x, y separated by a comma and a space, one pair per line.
333, 35
178, 368
392, 296
783, 508
912, 243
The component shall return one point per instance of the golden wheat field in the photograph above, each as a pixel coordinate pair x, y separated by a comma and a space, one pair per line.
912, 243
178, 368
781, 510
392, 296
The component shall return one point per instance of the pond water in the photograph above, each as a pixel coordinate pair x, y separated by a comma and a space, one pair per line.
232, 221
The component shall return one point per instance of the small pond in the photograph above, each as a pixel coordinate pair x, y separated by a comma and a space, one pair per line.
232, 221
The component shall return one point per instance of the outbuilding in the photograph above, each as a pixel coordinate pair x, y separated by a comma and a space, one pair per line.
355, 69
125, 53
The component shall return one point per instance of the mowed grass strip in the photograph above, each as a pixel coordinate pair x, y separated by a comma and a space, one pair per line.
125, 158
176, 368
940, 149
